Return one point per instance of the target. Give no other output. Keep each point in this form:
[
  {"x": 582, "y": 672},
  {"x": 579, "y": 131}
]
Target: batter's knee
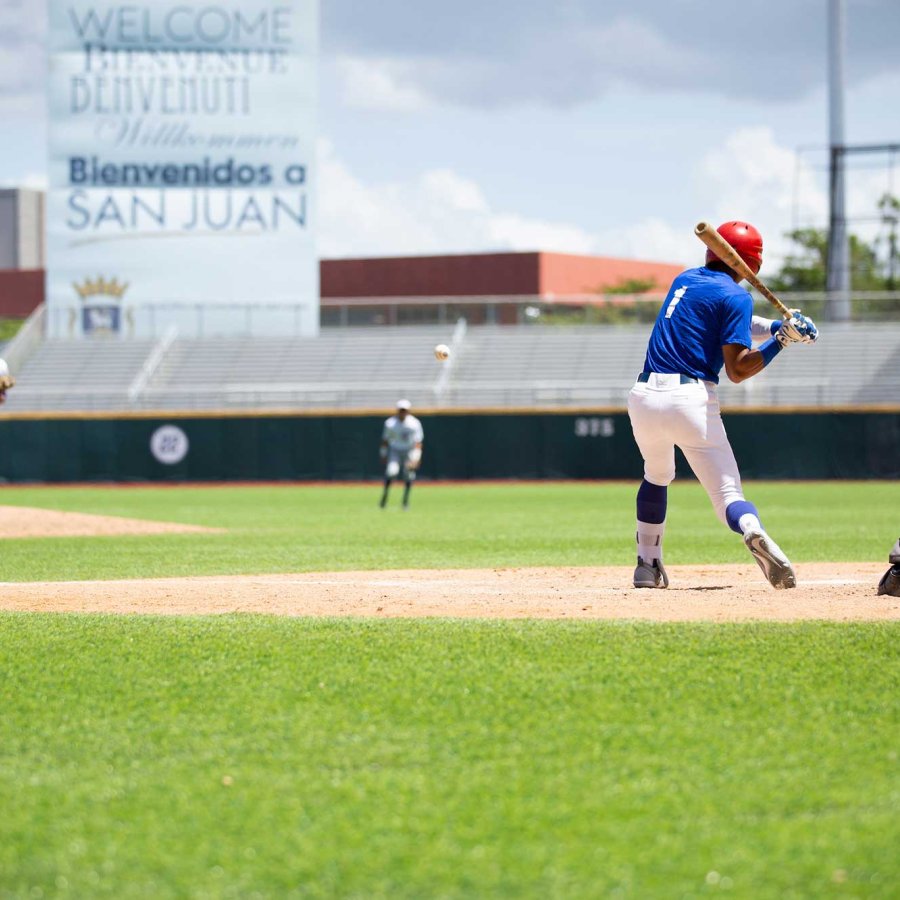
[{"x": 661, "y": 476}]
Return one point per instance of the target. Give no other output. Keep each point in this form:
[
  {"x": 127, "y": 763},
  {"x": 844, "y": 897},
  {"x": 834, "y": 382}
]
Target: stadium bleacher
[
  {"x": 87, "y": 375},
  {"x": 364, "y": 367}
]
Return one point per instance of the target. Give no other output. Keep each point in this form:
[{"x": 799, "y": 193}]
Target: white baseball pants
[
  {"x": 398, "y": 464},
  {"x": 664, "y": 414}
]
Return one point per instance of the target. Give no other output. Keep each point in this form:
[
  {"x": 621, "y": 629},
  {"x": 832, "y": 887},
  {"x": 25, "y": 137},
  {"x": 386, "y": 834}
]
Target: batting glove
[{"x": 798, "y": 329}]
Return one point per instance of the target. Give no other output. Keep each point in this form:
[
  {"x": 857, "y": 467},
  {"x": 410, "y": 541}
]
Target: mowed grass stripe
[
  {"x": 303, "y": 529},
  {"x": 256, "y": 756}
]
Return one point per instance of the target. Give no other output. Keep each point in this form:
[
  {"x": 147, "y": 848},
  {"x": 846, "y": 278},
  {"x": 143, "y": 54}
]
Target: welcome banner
[{"x": 182, "y": 142}]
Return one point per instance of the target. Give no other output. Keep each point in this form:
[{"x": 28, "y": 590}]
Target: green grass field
[
  {"x": 244, "y": 756},
  {"x": 295, "y": 529}
]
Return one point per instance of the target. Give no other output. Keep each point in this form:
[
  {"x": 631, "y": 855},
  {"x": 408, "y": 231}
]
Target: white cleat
[
  {"x": 650, "y": 575},
  {"x": 775, "y": 565}
]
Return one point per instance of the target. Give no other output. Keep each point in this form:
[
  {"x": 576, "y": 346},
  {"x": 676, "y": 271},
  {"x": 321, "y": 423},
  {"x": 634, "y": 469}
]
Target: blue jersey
[{"x": 703, "y": 310}]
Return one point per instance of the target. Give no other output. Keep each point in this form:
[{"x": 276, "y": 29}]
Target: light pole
[{"x": 837, "y": 282}]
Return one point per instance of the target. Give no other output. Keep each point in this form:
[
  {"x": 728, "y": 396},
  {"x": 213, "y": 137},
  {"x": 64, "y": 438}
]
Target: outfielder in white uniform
[
  {"x": 401, "y": 450},
  {"x": 705, "y": 322}
]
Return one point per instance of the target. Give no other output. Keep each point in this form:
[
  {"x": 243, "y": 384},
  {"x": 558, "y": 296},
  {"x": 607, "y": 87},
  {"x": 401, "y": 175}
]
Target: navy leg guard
[{"x": 652, "y": 500}]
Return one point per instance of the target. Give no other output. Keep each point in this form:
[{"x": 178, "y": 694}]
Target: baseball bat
[{"x": 730, "y": 257}]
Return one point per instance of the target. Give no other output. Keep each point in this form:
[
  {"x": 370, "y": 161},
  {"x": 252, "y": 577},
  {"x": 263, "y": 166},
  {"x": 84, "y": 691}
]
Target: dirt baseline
[
  {"x": 835, "y": 591},
  {"x": 33, "y": 522}
]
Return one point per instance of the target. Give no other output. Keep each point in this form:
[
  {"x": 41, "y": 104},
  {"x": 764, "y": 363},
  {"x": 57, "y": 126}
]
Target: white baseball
[{"x": 442, "y": 352}]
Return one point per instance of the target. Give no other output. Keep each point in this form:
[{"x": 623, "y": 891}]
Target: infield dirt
[
  {"x": 732, "y": 593},
  {"x": 32, "y": 522}
]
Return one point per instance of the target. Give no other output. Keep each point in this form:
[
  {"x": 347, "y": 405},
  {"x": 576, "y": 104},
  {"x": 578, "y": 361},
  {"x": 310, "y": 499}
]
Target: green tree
[
  {"x": 889, "y": 207},
  {"x": 805, "y": 268},
  {"x": 628, "y": 286}
]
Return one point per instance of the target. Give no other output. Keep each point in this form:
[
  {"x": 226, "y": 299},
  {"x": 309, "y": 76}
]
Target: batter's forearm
[
  {"x": 746, "y": 363},
  {"x": 752, "y": 363}
]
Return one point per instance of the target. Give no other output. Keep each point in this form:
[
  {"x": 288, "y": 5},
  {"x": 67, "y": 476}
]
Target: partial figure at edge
[{"x": 890, "y": 581}]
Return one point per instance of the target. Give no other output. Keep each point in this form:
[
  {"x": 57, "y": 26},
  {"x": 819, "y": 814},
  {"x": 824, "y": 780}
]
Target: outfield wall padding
[{"x": 459, "y": 445}]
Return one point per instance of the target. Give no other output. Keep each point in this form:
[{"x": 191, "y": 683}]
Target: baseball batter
[
  {"x": 401, "y": 450},
  {"x": 705, "y": 322}
]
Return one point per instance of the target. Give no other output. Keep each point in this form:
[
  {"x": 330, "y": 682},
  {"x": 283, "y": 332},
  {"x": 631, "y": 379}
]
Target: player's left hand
[
  {"x": 798, "y": 329},
  {"x": 807, "y": 328}
]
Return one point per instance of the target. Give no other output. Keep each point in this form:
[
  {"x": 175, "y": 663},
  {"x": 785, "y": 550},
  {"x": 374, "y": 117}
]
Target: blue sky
[{"x": 606, "y": 127}]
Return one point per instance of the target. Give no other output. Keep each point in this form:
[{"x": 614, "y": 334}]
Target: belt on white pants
[{"x": 683, "y": 379}]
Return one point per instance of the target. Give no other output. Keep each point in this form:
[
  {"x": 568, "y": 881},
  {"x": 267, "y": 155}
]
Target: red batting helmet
[{"x": 745, "y": 239}]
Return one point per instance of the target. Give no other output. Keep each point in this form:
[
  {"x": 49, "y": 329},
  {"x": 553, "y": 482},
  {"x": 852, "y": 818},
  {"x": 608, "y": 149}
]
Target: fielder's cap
[{"x": 404, "y": 404}]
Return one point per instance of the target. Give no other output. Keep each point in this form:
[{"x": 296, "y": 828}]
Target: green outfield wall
[{"x": 459, "y": 445}]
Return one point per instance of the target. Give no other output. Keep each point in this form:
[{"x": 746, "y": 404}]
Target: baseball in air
[{"x": 442, "y": 352}]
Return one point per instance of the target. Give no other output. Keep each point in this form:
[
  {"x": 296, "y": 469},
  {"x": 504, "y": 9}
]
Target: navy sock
[
  {"x": 651, "y": 503},
  {"x": 734, "y": 511}
]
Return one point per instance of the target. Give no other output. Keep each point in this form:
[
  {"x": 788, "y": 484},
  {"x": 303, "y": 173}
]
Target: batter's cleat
[
  {"x": 774, "y": 564},
  {"x": 650, "y": 575},
  {"x": 890, "y": 583}
]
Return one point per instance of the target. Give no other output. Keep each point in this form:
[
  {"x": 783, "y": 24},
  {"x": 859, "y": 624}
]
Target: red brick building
[
  {"x": 549, "y": 276},
  {"x": 546, "y": 275},
  {"x": 21, "y": 290}
]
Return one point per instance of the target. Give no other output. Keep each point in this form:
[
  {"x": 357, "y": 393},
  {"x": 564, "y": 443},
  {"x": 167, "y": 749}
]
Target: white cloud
[
  {"x": 506, "y": 53},
  {"x": 377, "y": 84},
  {"x": 438, "y": 211},
  {"x": 445, "y": 186},
  {"x": 32, "y": 181},
  {"x": 751, "y": 177},
  {"x": 441, "y": 211},
  {"x": 515, "y": 232},
  {"x": 22, "y": 55},
  {"x": 35, "y": 181},
  {"x": 653, "y": 239},
  {"x": 752, "y": 171}
]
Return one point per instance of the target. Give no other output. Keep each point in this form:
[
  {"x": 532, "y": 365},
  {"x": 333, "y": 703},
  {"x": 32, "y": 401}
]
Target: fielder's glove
[
  {"x": 798, "y": 329},
  {"x": 890, "y": 583}
]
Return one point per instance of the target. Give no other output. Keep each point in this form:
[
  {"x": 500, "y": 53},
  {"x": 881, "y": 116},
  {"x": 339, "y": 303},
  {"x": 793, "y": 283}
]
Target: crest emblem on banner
[{"x": 101, "y": 310}]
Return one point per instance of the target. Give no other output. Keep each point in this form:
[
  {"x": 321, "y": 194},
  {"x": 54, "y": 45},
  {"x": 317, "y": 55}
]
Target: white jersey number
[{"x": 676, "y": 299}]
